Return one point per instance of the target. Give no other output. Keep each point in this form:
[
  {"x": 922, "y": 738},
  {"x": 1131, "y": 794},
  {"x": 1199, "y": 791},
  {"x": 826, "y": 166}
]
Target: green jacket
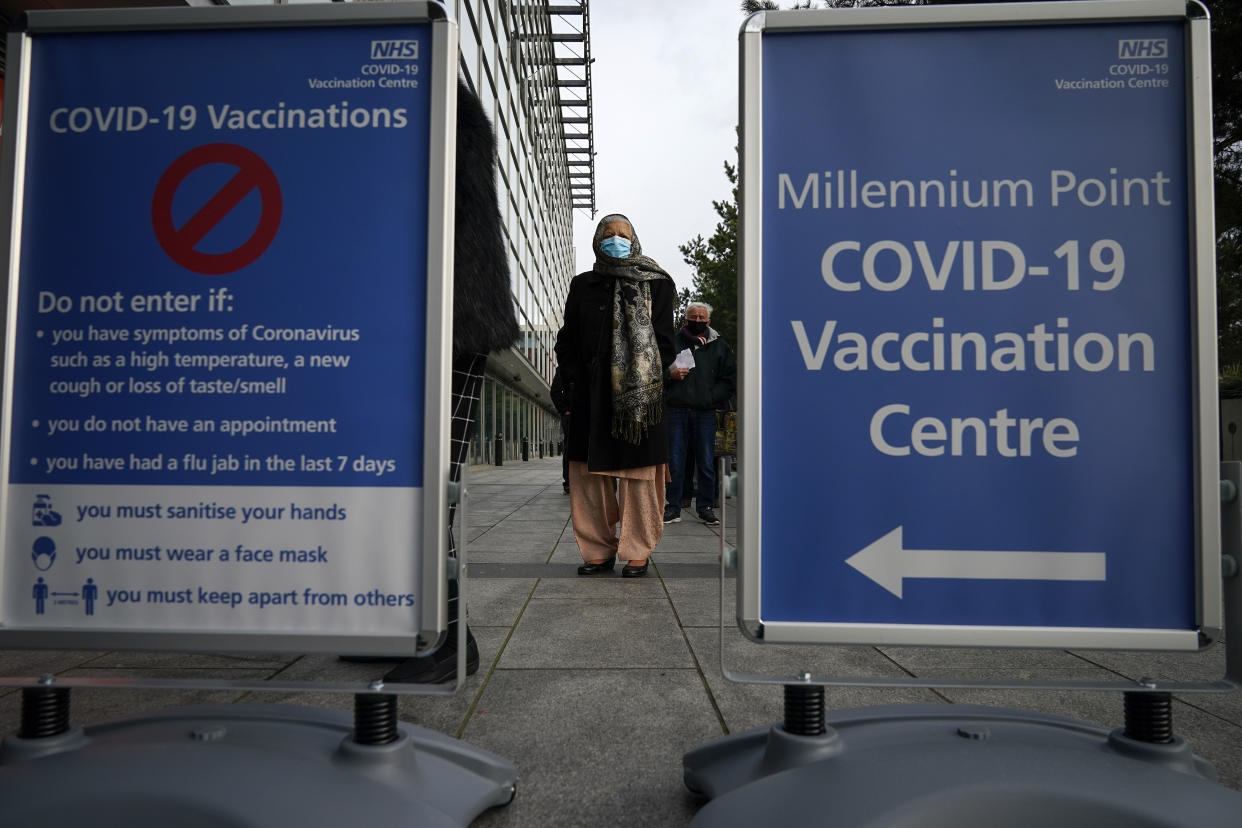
[{"x": 712, "y": 382}]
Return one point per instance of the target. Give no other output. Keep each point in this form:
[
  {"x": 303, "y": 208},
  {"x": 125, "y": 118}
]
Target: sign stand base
[
  {"x": 259, "y": 766},
  {"x": 955, "y": 766}
]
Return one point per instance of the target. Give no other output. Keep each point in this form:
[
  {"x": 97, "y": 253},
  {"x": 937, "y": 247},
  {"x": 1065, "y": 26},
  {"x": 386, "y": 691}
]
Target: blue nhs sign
[{"x": 978, "y": 385}]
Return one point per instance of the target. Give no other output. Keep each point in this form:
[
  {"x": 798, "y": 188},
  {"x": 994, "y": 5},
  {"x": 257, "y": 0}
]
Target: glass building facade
[{"x": 530, "y": 62}]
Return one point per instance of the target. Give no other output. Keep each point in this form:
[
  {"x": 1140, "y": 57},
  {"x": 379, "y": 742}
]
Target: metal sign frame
[
  {"x": 429, "y": 620},
  {"x": 1201, "y": 304}
]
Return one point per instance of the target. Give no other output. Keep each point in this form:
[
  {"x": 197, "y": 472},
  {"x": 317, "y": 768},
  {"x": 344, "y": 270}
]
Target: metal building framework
[
  {"x": 573, "y": 65},
  {"x": 567, "y": 32}
]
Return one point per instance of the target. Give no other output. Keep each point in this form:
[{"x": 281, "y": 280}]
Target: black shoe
[
  {"x": 361, "y": 659},
  {"x": 437, "y": 668},
  {"x": 633, "y": 570},
  {"x": 671, "y": 516},
  {"x": 709, "y": 517},
  {"x": 604, "y": 568}
]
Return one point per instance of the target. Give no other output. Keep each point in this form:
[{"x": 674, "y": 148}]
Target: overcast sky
[{"x": 665, "y": 106}]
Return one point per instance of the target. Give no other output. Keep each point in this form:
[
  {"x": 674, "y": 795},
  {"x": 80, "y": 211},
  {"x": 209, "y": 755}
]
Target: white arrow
[{"x": 888, "y": 563}]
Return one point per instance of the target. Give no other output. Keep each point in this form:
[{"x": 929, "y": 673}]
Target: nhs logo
[
  {"x": 394, "y": 50},
  {"x": 1142, "y": 49}
]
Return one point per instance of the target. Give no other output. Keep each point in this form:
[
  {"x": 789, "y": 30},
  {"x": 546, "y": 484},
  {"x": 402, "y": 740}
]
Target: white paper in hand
[{"x": 684, "y": 360}]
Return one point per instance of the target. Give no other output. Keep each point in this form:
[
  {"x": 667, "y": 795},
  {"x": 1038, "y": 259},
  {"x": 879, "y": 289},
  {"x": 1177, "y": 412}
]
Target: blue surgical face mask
[{"x": 616, "y": 246}]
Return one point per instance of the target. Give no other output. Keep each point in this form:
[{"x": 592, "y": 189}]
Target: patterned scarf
[{"x": 637, "y": 373}]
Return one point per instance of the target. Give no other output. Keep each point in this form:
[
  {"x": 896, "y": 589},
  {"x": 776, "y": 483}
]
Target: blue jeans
[{"x": 686, "y": 425}]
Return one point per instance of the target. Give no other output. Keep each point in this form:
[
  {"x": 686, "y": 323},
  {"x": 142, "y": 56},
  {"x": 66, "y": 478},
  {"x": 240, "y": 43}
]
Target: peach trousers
[{"x": 635, "y": 507}]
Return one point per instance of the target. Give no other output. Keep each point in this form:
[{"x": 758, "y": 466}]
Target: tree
[
  {"x": 715, "y": 265},
  {"x": 683, "y": 299}
]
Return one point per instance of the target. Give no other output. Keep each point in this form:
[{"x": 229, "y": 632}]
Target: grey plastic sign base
[
  {"x": 246, "y": 766},
  {"x": 955, "y": 766}
]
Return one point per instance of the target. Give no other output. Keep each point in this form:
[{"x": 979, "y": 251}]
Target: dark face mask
[{"x": 696, "y": 328}]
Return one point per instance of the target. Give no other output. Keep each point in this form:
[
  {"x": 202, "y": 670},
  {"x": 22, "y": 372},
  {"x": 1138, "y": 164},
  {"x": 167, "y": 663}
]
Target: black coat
[
  {"x": 712, "y": 381},
  {"x": 584, "y": 356}
]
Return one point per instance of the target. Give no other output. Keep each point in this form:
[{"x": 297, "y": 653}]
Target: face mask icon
[{"x": 43, "y": 553}]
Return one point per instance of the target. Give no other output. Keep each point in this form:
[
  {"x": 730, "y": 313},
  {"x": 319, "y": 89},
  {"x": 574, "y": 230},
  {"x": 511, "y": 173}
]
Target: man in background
[{"x": 691, "y": 398}]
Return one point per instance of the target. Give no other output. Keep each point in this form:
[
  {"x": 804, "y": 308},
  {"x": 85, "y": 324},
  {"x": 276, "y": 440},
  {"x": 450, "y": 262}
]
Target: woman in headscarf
[{"x": 613, "y": 352}]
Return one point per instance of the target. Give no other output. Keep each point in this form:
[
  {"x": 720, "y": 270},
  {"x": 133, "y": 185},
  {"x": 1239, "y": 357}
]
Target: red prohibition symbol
[{"x": 178, "y": 242}]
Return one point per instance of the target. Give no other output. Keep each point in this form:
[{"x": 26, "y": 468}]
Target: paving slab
[
  {"x": 511, "y": 541},
  {"x": 566, "y": 552},
  {"x": 29, "y": 663},
  {"x": 552, "y": 512},
  {"x": 496, "y": 601},
  {"x": 699, "y": 542},
  {"x": 593, "y": 633},
  {"x": 939, "y": 661},
  {"x": 698, "y": 601},
  {"x": 520, "y": 523},
  {"x": 749, "y": 705},
  {"x": 601, "y": 589},
  {"x": 1205, "y": 665},
  {"x": 594, "y": 748},
  {"x": 1225, "y": 706}
]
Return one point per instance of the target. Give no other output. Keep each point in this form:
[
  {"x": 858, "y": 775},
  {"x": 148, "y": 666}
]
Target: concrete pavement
[{"x": 596, "y": 687}]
